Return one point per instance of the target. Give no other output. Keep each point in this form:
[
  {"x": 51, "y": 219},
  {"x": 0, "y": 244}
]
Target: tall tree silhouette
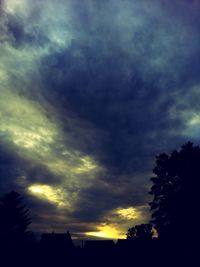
[
  {"x": 175, "y": 190},
  {"x": 14, "y": 219},
  {"x": 140, "y": 232}
]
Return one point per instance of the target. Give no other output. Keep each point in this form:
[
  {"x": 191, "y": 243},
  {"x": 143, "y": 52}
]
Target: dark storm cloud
[
  {"x": 127, "y": 95},
  {"x": 119, "y": 87},
  {"x": 117, "y": 81},
  {"x": 16, "y": 172},
  {"x": 21, "y": 37},
  {"x": 94, "y": 203},
  {"x": 9, "y": 169}
]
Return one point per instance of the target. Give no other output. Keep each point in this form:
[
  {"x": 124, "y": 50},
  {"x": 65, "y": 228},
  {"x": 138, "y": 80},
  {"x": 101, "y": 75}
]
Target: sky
[{"x": 90, "y": 92}]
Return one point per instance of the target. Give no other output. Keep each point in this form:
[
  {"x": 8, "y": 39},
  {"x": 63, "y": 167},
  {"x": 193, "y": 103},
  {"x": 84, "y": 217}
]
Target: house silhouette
[
  {"x": 57, "y": 241},
  {"x": 99, "y": 245}
]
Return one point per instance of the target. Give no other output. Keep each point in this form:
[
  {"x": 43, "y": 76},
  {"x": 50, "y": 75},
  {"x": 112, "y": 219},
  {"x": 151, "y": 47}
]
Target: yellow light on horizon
[{"x": 106, "y": 231}]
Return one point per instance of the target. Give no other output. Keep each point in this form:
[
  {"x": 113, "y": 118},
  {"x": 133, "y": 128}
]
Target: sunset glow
[{"x": 106, "y": 231}]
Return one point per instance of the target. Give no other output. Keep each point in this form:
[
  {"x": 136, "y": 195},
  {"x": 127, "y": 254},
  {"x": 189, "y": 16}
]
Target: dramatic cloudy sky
[{"x": 90, "y": 92}]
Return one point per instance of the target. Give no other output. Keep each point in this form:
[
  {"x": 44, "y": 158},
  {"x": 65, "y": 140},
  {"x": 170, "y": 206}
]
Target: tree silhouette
[
  {"x": 14, "y": 219},
  {"x": 175, "y": 190},
  {"x": 140, "y": 232}
]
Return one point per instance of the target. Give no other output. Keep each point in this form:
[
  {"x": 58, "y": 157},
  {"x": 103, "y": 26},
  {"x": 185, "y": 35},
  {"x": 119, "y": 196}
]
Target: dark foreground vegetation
[{"x": 174, "y": 208}]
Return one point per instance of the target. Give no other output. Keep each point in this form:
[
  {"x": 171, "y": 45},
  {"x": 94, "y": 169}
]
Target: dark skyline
[{"x": 90, "y": 92}]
